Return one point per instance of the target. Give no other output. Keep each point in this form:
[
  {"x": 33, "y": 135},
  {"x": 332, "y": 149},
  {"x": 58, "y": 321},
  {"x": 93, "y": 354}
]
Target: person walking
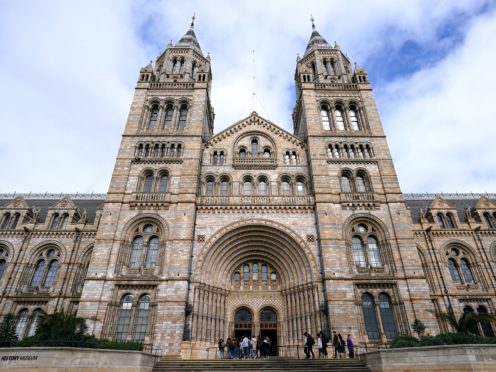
[
  {"x": 221, "y": 345},
  {"x": 319, "y": 345},
  {"x": 349, "y": 344},
  {"x": 309, "y": 342},
  {"x": 253, "y": 343},
  {"x": 245, "y": 347},
  {"x": 230, "y": 348},
  {"x": 341, "y": 346},
  {"x": 335, "y": 343}
]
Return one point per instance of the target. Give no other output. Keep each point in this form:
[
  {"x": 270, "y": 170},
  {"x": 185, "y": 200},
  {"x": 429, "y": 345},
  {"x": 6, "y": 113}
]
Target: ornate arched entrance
[{"x": 262, "y": 267}]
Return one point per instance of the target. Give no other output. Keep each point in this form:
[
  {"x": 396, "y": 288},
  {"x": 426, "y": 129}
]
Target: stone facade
[{"x": 251, "y": 230}]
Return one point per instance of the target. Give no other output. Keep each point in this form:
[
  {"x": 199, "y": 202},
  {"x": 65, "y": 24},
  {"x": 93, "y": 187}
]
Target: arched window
[
  {"x": 246, "y": 272},
  {"x": 65, "y": 219},
  {"x": 453, "y": 270},
  {"x": 247, "y": 186},
  {"x": 387, "y": 316},
  {"x": 148, "y": 183},
  {"x": 264, "y": 272},
  {"x": 209, "y": 187},
  {"x": 471, "y": 327},
  {"x": 5, "y": 221},
  {"x": 242, "y": 154},
  {"x": 243, "y": 315},
  {"x": 489, "y": 221},
  {"x": 183, "y": 114},
  {"x": 22, "y": 321},
  {"x": 467, "y": 273},
  {"x": 15, "y": 221},
  {"x": 358, "y": 252},
  {"x": 164, "y": 182},
  {"x": 237, "y": 276},
  {"x": 450, "y": 221},
  {"x": 215, "y": 158},
  {"x": 300, "y": 186},
  {"x": 369, "y": 316},
  {"x": 360, "y": 183},
  {"x": 266, "y": 153},
  {"x": 486, "y": 326},
  {"x": 440, "y": 221},
  {"x": 169, "y": 114},
  {"x": 285, "y": 186},
  {"x": 268, "y": 315},
  {"x": 54, "y": 225},
  {"x": 152, "y": 253},
  {"x": 224, "y": 186},
  {"x": 255, "y": 271},
  {"x": 51, "y": 274},
  {"x": 254, "y": 148},
  {"x": 124, "y": 320},
  {"x": 345, "y": 183},
  {"x": 324, "y": 114},
  {"x": 3, "y": 264},
  {"x": 287, "y": 157},
  {"x": 153, "y": 117},
  {"x": 374, "y": 255},
  {"x": 221, "y": 158},
  {"x": 35, "y": 321},
  {"x": 136, "y": 252},
  {"x": 142, "y": 318},
  {"x": 338, "y": 114},
  {"x": 352, "y": 112},
  {"x": 38, "y": 273},
  {"x": 262, "y": 186}
]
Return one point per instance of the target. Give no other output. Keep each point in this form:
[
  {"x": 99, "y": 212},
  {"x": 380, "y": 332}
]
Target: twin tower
[{"x": 253, "y": 231}]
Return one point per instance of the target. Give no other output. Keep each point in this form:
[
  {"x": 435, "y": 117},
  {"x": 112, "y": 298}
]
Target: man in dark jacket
[{"x": 309, "y": 342}]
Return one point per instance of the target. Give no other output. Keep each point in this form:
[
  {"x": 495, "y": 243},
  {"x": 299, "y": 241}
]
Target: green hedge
[{"x": 442, "y": 339}]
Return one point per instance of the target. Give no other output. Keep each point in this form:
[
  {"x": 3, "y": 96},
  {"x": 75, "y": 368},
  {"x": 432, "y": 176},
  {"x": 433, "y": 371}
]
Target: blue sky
[{"x": 68, "y": 71}]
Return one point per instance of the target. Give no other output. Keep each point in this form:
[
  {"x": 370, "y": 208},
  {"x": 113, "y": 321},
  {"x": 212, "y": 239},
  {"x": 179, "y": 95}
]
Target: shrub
[
  {"x": 431, "y": 341},
  {"x": 8, "y": 335},
  {"x": 418, "y": 327},
  {"x": 404, "y": 341}
]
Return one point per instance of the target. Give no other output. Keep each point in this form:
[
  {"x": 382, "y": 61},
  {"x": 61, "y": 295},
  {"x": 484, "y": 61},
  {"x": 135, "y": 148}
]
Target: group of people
[
  {"x": 245, "y": 348},
  {"x": 339, "y": 345}
]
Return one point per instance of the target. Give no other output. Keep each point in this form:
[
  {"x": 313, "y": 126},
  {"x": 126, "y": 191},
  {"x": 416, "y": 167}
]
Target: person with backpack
[{"x": 309, "y": 342}]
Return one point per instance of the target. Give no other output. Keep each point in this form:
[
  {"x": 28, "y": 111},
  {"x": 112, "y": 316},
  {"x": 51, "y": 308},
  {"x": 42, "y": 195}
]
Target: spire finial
[
  {"x": 193, "y": 20},
  {"x": 313, "y": 23}
]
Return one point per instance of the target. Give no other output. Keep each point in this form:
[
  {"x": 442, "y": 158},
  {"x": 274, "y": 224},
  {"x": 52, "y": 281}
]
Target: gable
[
  {"x": 17, "y": 203},
  {"x": 440, "y": 203},
  {"x": 64, "y": 203},
  {"x": 485, "y": 203}
]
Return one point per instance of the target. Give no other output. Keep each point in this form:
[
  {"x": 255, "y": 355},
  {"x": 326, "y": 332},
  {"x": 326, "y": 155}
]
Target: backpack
[{"x": 310, "y": 340}]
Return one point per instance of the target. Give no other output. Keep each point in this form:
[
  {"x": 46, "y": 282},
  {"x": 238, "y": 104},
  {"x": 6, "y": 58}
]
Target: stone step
[{"x": 273, "y": 364}]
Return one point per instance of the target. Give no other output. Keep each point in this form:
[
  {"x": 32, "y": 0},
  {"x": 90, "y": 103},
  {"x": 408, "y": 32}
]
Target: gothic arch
[
  {"x": 268, "y": 240},
  {"x": 381, "y": 228},
  {"x": 128, "y": 229},
  {"x": 8, "y": 247},
  {"x": 46, "y": 244},
  {"x": 460, "y": 244}
]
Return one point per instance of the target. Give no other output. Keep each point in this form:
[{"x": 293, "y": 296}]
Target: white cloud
[{"x": 68, "y": 71}]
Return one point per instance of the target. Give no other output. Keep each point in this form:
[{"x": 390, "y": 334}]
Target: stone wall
[
  {"x": 46, "y": 359},
  {"x": 452, "y": 358}
]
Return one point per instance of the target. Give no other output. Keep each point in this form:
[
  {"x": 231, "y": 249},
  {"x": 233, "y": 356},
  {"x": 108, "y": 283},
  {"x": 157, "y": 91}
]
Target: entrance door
[
  {"x": 268, "y": 328},
  {"x": 243, "y": 323}
]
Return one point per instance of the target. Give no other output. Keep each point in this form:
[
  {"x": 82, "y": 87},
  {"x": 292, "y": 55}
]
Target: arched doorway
[
  {"x": 243, "y": 323},
  {"x": 268, "y": 328},
  {"x": 256, "y": 266}
]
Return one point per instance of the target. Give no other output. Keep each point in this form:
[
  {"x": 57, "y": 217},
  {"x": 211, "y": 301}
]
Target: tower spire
[
  {"x": 313, "y": 23},
  {"x": 193, "y": 21}
]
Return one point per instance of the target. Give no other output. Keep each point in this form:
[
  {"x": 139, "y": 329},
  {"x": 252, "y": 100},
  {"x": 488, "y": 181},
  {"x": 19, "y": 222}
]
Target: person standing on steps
[
  {"x": 335, "y": 343},
  {"x": 245, "y": 346},
  {"x": 309, "y": 342},
  {"x": 349, "y": 344},
  {"x": 222, "y": 345}
]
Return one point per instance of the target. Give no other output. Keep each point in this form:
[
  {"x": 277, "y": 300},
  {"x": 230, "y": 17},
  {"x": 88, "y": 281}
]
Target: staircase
[{"x": 273, "y": 364}]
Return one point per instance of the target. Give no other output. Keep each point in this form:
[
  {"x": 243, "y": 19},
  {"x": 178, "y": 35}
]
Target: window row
[
  {"x": 365, "y": 247},
  {"x": 27, "y": 324},
  {"x": 145, "y": 247},
  {"x": 459, "y": 267},
  {"x": 254, "y": 151},
  {"x": 446, "y": 221},
  {"x": 483, "y": 327},
  {"x": 375, "y": 310},
  {"x": 349, "y": 151},
  {"x": 255, "y": 273},
  {"x": 159, "y": 150},
  {"x": 260, "y": 185},
  {"x": 341, "y": 118},
  {"x": 357, "y": 181},
  {"x": 291, "y": 157},
  {"x": 218, "y": 157},
  {"x": 169, "y": 116},
  {"x": 9, "y": 221},
  {"x": 134, "y": 318},
  {"x": 154, "y": 181}
]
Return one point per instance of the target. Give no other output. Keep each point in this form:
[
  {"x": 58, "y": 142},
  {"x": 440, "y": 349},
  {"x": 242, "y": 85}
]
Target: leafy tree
[
  {"x": 58, "y": 329},
  {"x": 418, "y": 327},
  {"x": 8, "y": 335}
]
